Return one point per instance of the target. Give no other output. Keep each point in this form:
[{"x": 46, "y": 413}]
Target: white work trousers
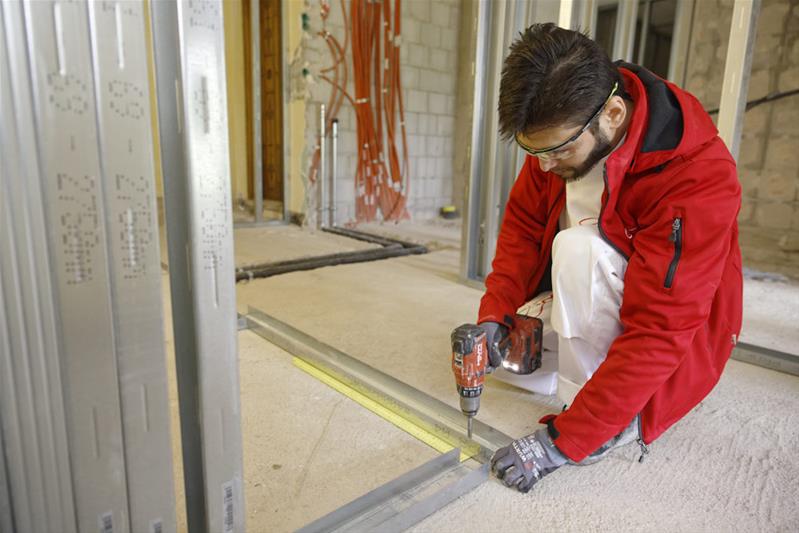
[{"x": 580, "y": 315}]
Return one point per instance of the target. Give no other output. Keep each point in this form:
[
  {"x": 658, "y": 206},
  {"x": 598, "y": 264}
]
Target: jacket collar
[{"x": 667, "y": 122}]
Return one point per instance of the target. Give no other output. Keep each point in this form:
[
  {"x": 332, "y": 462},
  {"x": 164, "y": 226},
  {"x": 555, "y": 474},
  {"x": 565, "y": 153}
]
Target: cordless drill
[{"x": 520, "y": 351}]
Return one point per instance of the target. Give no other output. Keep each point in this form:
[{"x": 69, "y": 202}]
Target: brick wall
[
  {"x": 428, "y": 57},
  {"x": 768, "y": 162}
]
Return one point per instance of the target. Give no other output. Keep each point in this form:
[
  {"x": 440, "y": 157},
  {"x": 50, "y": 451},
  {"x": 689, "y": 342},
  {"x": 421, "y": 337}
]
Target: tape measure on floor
[{"x": 434, "y": 441}]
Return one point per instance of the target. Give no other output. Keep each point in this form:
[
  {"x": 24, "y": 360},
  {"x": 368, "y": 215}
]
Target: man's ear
[{"x": 615, "y": 112}]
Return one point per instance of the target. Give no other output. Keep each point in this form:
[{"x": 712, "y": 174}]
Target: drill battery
[{"x": 521, "y": 349}]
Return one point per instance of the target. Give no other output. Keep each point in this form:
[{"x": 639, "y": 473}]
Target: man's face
[{"x": 574, "y": 160}]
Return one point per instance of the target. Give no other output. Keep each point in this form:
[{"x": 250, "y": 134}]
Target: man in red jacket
[{"x": 626, "y": 209}]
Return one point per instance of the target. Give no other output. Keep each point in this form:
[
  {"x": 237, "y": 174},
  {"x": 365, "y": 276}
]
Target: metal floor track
[{"x": 410, "y": 498}]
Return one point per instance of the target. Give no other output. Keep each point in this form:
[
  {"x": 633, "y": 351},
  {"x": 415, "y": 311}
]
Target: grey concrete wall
[
  {"x": 769, "y": 160},
  {"x": 429, "y": 61}
]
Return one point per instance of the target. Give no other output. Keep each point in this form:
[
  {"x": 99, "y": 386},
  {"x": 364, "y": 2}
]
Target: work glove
[
  {"x": 525, "y": 461},
  {"x": 495, "y": 334}
]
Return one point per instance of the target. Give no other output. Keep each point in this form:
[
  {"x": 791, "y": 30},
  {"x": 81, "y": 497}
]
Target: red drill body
[
  {"x": 521, "y": 354},
  {"x": 469, "y": 362}
]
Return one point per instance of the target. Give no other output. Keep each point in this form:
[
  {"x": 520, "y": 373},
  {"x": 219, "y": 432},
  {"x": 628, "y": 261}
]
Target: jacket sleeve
[
  {"x": 659, "y": 322},
  {"x": 518, "y": 246}
]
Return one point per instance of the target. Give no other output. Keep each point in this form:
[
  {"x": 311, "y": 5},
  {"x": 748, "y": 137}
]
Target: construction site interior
[{"x": 282, "y": 209}]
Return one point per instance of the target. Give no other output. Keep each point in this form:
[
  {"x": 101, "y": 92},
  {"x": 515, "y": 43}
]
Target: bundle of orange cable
[{"x": 381, "y": 175}]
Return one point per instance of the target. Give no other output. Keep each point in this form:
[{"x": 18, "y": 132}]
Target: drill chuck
[{"x": 470, "y": 406}]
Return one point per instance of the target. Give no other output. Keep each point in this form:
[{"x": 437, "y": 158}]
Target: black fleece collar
[{"x": 664, "y": 128}]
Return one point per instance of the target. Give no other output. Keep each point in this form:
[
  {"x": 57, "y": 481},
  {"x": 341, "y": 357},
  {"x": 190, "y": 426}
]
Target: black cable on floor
[{"x": 389, "y": 248}]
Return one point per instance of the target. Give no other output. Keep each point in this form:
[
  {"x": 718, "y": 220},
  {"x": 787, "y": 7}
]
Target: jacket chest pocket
[{"x": 676, "y": 239}]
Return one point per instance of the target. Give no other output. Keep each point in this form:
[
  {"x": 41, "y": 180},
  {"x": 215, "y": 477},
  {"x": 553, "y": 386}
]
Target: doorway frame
[{"x": 257, "y": 124}]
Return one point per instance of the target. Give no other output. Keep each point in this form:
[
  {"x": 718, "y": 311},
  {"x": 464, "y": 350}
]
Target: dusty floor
[
  {"x": 308, "y": 449},
  {"x": 435, "y": 234},
  {"x": 281, "y": 243},
  {"x": 268, "y": 244},
  {"x": 729, "y": 465}
]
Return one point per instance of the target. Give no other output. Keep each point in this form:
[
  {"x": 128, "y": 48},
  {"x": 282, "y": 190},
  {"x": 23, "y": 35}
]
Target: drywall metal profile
[
  {"x": 645, "y": 23},
  {"x": 119, "y": 49},
  {"x": 497, "y": 153},
  {"x": 624, "y": 37},
  {"x": 566, "y": 13},
  {"x": 471, "y": 238},
  {"x": 767, "y": 358},
  {"x": 425, "y": 411},
  {"x": 680, "y": 41},
  {"x": 510, "y": 157},
  {"x": 406, "y": 500},
  {"x": 35, "y": 452},
  {"x": 494, "y": 163},
  {"x": 321, "y": 176},
  {"x": 588, "y": 15},
  {"x": 64, "y": 116},
  {"x": 737, "y": 68},
  {"x": 192, "y": 112}
]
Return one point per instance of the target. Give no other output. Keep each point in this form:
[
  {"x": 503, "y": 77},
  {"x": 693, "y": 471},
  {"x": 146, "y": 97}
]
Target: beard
[{"x": 601, "y": 149}]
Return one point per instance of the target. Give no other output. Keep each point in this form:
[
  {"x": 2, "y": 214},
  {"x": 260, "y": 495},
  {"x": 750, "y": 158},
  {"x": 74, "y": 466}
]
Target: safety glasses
[{"x": 557, "y": 152}]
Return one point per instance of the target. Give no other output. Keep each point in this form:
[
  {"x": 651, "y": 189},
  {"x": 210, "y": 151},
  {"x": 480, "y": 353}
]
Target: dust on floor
[{"x": 729, "y": 465}]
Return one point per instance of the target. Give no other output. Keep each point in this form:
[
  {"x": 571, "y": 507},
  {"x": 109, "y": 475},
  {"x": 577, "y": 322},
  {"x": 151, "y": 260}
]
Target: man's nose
[{"x": 546, "y": 164}]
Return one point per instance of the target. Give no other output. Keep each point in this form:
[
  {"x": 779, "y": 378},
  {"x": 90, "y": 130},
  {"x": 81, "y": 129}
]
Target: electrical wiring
[{"x": 372, "y": 29}]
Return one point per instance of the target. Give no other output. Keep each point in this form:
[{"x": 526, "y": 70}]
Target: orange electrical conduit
[{"x": 381, "y": 176}]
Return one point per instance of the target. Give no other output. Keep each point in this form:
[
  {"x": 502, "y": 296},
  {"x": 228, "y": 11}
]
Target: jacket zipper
[
  {"x": 641, "y": 443},
  {"x": 602, "y": 210},
  {"x": 640, "y": 440},
  {"x": 676, "y": 238}
]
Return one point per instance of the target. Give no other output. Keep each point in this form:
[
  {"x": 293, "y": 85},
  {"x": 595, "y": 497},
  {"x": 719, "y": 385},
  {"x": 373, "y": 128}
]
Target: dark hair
[{"x": 553, "y": 77}]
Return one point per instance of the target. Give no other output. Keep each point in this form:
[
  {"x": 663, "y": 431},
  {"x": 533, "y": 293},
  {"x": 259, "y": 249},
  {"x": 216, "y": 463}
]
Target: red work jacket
[{"x": 670, "y": 206}]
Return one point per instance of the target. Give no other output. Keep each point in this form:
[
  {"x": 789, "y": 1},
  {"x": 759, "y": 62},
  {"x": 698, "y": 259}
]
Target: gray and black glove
[
  {"x": 525, "y": 461},
  {"x": 495, "y": 334}
]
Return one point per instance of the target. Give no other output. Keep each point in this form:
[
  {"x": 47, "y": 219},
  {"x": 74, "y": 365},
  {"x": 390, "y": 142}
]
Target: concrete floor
[
  {"x": 438, "y": 234},
  {"x": 269, "y": 244},
  {"x": 281, "y": 243},
  {"x": 771, "y": 313},
  {"x": 729, "y": 465},
  {"x": 303, "y": 456}
]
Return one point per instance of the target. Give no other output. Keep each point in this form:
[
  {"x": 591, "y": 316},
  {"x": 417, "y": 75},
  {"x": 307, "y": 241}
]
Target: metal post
[
  {"x": 66, "y": 147},
  {"x": 624, "y": 38},
  {"x": 494, "y": 164},
  {"x": 334, "y": 175},
  {"x": 128, "y": 177},
  {"x": 495, "y": 155},
  {"x": 321, "y": 176},
  {"x": 257, "y": 125},
  {"x": 470, "y": 240},
  {"x": 737, "y": 69},
  {"x": 566, "y": 14},
  {"x": 587, "y": 17},
  {"x": 190, "y": 75},
  {"x": 80, "y": 281},
  {"x": 680, "y": 41},
  {"x": 32, "y": 412},
  {"x": 644, "y": 32}
]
